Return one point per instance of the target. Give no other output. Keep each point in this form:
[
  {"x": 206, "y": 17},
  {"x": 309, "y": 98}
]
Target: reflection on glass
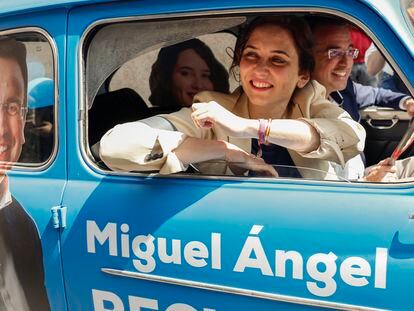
[
  {"x": 39, "y": 122},
  {"x": 39, "y": 126}
]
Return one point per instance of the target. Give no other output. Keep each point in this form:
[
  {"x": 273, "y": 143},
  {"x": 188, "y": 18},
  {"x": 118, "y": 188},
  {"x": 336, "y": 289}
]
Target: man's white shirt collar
[{"x": 5, "y": 195}]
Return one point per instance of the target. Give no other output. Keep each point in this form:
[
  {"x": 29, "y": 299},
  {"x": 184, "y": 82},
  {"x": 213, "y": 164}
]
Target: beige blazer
[{"x": 137, "y": 147}]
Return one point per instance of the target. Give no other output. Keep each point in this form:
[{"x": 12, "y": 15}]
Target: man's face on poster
[{"x": 12, "y": 116}]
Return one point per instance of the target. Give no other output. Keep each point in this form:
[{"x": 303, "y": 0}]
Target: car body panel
[
  {"x": 46, "y": 185},
  {"x": 315, "y": 220},
  {"x": 197, "y": 209}
]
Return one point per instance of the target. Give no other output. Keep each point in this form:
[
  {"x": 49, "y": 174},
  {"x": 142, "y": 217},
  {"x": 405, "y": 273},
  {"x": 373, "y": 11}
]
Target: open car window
[{"x": 118, "y": 84}]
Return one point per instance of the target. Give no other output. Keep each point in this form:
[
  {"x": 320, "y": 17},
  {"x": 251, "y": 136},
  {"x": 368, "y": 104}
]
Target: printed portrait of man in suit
[{"x": 21, "y": 265}]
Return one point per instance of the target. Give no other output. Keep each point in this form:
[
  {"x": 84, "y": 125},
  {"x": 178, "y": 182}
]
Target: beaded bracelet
[
  {"x": 262, "y": 131},
  {"x": 267, "y": 131}
]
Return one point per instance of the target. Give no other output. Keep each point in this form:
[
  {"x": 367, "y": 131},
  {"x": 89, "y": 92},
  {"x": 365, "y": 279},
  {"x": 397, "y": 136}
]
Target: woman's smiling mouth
[{"x": 259, "y": 85}]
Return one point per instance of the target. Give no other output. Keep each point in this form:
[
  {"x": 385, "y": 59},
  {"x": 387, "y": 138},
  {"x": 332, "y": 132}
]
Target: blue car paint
[
  {"x": 306, "y": 217},
  {"x": 46, "y": 186}
]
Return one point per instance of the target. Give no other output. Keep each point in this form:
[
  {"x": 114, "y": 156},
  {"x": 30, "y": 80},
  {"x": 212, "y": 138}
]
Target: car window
[
  {"x": 39, "y": 121},
  {"x": 122, "y": 89}
]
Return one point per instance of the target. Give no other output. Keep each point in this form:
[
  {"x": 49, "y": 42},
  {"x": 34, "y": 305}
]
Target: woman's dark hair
[
  {"x": 298, "y": 28},
  {"x": 161, "y": 75},
  {"x": 12, "y": 49}
]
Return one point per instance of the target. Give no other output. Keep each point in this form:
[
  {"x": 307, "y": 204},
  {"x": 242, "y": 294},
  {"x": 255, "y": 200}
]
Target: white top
[{"x": 354, "y": 168}]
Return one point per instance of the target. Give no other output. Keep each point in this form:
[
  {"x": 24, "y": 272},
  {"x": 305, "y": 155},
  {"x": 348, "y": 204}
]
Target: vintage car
[{"x": 191, "y": 241}]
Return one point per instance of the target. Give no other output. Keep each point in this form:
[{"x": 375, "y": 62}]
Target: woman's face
[
  {"x": 190, "y": 76},
  {"x": 269, "y": 66}
]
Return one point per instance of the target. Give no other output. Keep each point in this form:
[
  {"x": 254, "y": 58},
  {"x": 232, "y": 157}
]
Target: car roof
[
  {"x": 28, "y": 5},
  {"x": 389, "y": 9},
  {"x": 10, "y": 7}
]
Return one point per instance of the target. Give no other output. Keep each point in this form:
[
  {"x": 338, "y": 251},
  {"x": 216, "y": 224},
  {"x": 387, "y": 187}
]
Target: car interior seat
[
  {"x": 112, "y": 108},
  {"x": 117, "y": 107}
]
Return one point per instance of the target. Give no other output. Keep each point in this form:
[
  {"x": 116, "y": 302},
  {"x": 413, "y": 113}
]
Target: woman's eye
[
  {"x": 278, "y": 60},
  {"x": 184, "y": 72},
  {"x": 250, "y": 55},
  {"x": 206, "y": 75}
]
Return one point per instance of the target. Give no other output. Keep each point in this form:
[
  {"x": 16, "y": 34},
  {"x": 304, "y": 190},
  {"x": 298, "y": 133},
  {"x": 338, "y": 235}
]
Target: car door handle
[{"x": 392, "y": 123}]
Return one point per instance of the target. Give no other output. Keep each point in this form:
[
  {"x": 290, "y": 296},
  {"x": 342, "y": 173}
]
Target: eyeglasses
[
  {"x": 339, "y": 53},
  {"x": 13, "y": 109}
]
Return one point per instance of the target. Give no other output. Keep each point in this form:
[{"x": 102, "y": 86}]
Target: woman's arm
[
  {"x": 296, "y": 135},
  {"x": 135, "y": 146},
  {"x": 196, "y": 150}
]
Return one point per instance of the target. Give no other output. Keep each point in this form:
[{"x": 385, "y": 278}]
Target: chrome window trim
[
  {"x": 234, "y": 290},
  {"x": 82, "y": 111},
  {"x": 42, "y": 166}
]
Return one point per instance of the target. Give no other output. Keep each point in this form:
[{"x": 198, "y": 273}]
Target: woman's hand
[
  {"x": 384, "y": 171},
  {"x": 240, "y": 161},
  {"x": 207, "y": 115}
]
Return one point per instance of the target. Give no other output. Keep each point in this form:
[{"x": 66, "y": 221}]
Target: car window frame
[
  {"x": 83, "y": 110},
  {"x": 42, "y": 166}
]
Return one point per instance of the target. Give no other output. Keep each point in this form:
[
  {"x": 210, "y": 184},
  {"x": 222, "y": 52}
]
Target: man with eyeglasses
[
  {"x": 334, "y": 55},
  {"x": 21, "y": 265}
]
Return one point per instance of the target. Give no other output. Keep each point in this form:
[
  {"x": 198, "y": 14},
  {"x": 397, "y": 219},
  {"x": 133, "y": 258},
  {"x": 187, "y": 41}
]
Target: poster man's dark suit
[{"x": 21, "y": 266}]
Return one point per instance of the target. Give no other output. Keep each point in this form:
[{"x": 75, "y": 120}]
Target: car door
[
  {"x": 38, "y": 178},
  {"x": 194, "y": 242}
]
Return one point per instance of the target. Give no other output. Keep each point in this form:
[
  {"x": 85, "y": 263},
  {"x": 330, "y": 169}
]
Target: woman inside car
[
  {"x": 276, "y": 105},
  {"x": 182, "y": 70}
]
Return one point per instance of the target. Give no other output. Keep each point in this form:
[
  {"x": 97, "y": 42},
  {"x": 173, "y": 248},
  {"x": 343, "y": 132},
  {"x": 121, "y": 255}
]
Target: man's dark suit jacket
[
  {"x": 357, "y": 96},
  {"x": 20, "y": 244}
]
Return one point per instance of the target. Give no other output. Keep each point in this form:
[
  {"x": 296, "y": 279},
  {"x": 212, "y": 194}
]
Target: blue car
[{"x": 104, "y": 239}]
